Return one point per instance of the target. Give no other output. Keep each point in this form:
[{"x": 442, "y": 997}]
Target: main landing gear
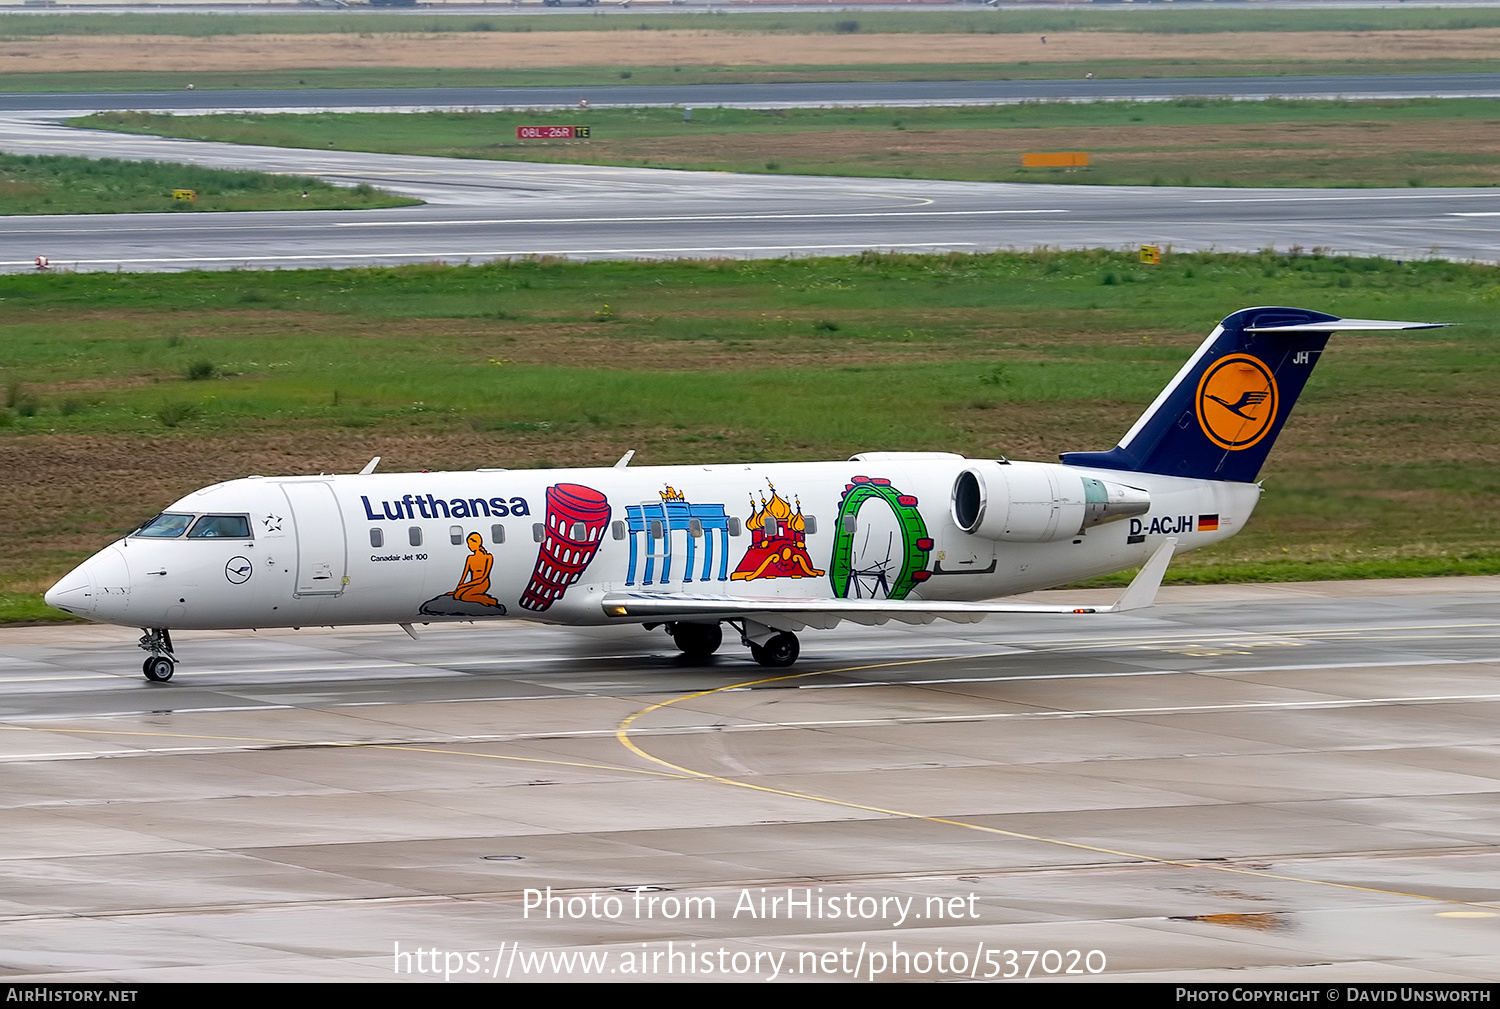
[
  {"x": 697, "y": 641},
  {"x": 780, "y": 650},
  {"x": 161, "y": 663},
  {"x": 768, "y": 646}
]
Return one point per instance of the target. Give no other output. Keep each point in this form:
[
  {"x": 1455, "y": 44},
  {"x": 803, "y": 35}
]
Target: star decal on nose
[{"x": 272, "y": 523}]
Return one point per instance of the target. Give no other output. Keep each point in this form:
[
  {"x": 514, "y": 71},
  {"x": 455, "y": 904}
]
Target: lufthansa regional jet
[{"x": 769, "y": 548}]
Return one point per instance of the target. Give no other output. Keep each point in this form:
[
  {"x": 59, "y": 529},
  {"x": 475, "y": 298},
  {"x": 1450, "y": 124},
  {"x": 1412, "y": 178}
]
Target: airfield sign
[{"x": 552, "y": 132}]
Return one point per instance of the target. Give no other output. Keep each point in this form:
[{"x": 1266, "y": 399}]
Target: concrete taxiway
[{"x": 1287, "y": 782}]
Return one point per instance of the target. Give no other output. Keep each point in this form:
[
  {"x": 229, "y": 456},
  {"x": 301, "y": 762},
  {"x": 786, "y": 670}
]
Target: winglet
[
  {"x": 370, "y": 466},
  {"x": 1142, "y": 591}
]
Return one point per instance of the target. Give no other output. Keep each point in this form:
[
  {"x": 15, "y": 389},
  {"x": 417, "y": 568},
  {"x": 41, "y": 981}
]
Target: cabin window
[
  {"x": 456, "y": 535},
  {"x": 377, "y": 538},
  {"x": 538, "y": 531},
  {"x": 810, "y": 525},
  {"x": 618, "y": 529},
  {"x": 734, "y": 525},
  {"x": 165, "y": 526},
  {"x": 770, "y": 527},
  {"x": 656, "y": 529},
  {"x": 850, "y": 524},
  {"x": 221, "y": 527},
  {"x": 695, "y": 528},
  {"x": 497, "y": 533},
  {"x": 414, "y": 536}
]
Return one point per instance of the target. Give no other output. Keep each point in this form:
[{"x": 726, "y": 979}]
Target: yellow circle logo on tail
[{"x": 1237, "y": 401}]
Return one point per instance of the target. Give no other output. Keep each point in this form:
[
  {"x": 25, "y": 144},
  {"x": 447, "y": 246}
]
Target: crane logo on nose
[{"x": 238, "y": 570}]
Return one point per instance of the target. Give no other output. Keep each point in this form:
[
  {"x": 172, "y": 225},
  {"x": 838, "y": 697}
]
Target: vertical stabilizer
[{"x": 1218, "y": 418}]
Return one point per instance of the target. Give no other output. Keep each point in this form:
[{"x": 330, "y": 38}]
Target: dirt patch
[
  {"x": 698, "y": 341},
  {"x": 536, "y": 50},
  {"x": 58, "y": 513}
]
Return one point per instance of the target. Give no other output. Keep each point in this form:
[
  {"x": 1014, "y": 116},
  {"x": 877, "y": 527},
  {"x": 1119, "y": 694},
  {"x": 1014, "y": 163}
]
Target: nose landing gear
[{"x": 161, "y": 663}]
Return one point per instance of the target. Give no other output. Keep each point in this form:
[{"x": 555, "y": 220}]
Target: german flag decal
[{"x": 1208, "y": 523}]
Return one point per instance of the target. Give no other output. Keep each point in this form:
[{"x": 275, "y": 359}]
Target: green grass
[
  {"x": 45, "y": 184},
  {"x": 473, "y": 133},
  {"x": 868, "y": 22},
  {"x": 152, "y": 385},
  {"x": 28, "y": 608},
  {"x": 1398, "y": 143}
]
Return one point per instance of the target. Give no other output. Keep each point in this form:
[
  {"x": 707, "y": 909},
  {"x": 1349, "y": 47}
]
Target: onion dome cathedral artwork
[{"x": 778, "y": 544}]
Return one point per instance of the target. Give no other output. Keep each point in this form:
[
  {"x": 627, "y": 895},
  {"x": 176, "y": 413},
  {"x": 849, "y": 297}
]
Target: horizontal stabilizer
[
  {"x": 795, "y": 614},
  {"x": 1346, "y": 326}
]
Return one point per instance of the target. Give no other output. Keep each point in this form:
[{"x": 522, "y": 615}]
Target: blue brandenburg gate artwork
[{"x": 655, "y": 522}]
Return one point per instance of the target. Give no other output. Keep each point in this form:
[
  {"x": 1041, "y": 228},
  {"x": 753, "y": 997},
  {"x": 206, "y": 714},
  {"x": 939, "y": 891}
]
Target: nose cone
[
  {"x": 74, "y": 594},
  {"x": 98, "y": 588}
]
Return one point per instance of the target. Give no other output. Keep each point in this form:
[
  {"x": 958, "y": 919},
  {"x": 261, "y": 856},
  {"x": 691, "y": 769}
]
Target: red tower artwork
[{"x": 576, "y": 519}]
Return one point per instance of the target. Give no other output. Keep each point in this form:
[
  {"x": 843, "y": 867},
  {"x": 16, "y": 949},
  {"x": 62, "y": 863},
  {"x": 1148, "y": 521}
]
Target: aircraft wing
[{"x": 794, "y": 614}]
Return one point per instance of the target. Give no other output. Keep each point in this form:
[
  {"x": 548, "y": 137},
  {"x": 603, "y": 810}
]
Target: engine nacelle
[{"x": 1037, "y": 503}]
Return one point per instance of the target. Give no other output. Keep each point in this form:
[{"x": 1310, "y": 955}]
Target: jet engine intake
[{"x": 1037, "y": 502}]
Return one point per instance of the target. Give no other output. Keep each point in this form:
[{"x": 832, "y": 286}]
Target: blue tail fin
[{"x": 1220, "y": 415}]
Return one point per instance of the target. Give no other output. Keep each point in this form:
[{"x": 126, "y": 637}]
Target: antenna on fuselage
[
  {"x": 625, "y": 459},
  {"x": 370, "y": 466}
]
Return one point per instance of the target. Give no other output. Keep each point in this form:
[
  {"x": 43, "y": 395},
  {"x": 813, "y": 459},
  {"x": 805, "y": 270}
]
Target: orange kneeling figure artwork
[{"x": 470, "y": 598}]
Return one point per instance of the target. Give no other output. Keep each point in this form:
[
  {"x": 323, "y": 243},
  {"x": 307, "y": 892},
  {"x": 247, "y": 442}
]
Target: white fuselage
[{"x": 549, "y": 544}]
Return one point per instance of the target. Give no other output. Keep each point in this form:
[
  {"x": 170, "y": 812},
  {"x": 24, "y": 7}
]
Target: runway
[
  {"x": 1246, "y": 783},
  {"x": 810, "y": 94},
  {"x": 482, "y": 210}
]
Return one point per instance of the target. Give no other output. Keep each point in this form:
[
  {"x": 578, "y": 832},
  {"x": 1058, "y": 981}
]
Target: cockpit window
[
  {"x": 221, "y": 527},
  {"x": 165, "y": 526}
]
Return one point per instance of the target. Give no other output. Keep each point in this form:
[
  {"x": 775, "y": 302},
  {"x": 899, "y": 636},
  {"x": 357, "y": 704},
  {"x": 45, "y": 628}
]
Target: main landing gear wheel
[
  {"x": 697, "y": 641},
  {"x": 780, "y": 650},
  {"x": 158, "y": 668}
]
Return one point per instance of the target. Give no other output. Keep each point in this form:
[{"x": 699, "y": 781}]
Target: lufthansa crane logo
[
  {"x": 1237, "y": 401},
  {"x": 238, "y": 570}
]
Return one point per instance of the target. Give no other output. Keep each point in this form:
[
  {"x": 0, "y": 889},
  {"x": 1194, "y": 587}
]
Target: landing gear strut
[
  {"x": 697, "y": 641},
  {"x": 161, "y": 663}
]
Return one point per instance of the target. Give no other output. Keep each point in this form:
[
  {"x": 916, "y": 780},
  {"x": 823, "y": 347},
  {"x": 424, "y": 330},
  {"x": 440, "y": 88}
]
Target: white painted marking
[
  {"x": 199, "y": 227},
  {"x": 720, "y": 727},
  {"x": 1145, "y": 672},
  {"x": 703, "y": 217},
  {"x": 1344, "y": 199},
  {"x": 341, "y": 256}
]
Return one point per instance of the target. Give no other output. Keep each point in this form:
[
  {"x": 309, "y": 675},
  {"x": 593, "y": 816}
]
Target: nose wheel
[
  {"x": 161, "y": 663},
  {"x": 158, "y": 668}
]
